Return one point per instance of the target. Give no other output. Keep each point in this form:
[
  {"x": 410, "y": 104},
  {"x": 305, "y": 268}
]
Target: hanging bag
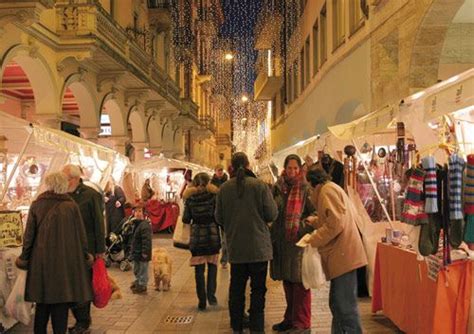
[
  {"x": 100, "y": 284},
  {"x": 312, "y": 270},
  {"x": 182, "y": 234},
  {"x": 16, "y": 306}
]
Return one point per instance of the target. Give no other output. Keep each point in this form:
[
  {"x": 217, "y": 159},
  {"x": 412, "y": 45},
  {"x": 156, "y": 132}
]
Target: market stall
[
  {"x": 168, "y": 179},
  {"x": 27, "y": 152}
]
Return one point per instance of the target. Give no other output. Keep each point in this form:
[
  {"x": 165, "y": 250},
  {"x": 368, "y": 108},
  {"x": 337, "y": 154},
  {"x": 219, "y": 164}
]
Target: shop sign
[
  {"x": 449, "y": 100},
  {"x": 11, "y": 229}
]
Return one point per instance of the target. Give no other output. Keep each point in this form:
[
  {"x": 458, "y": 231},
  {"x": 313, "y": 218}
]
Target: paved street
[{"x": 151, "y": 313}]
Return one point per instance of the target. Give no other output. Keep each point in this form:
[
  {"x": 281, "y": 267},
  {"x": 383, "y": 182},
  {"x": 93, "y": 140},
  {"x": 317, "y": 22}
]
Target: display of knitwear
[
  {"x": 469, "y": 229},
  {"x": 455, "y": 171},
  {"x": 431, "y": 189},
  {"x": 469, "y": 186},
  {"x": 414, "y": 207}
]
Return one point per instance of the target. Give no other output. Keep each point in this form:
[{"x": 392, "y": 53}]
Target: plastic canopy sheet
[
  {"x": 415, "y": 303},
  {"x": 54, "y": 148}
]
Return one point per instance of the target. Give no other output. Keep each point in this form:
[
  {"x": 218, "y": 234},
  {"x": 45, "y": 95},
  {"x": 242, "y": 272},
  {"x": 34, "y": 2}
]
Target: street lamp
[
  {"x": 244, "y": 98},
  {"x": 228, "y": 56}
]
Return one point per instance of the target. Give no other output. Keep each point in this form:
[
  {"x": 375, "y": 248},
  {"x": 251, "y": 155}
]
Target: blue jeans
[
  {"x": 343, "y": 304},
  {"x": 140, "y": 270}
]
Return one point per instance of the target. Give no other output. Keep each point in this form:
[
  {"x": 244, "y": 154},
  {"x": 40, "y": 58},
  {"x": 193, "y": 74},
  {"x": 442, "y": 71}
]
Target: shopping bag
[
  {"x": 100, "y": 284},
  {"x": 312, "y": 270},
  {"x": 182, "y": 234},
  {"x": 16, "y": 306}
]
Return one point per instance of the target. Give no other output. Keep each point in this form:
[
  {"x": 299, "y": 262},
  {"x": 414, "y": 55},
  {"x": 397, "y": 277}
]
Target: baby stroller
[{"x": 119, "y": 247}]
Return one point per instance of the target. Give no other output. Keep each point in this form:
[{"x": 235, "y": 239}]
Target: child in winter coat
[{"x": 141, "y": 250}]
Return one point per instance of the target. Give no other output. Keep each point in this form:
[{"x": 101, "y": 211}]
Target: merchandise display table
[
  {"x": 414, "y": 302},
  {"x": 7, "y": 279}
]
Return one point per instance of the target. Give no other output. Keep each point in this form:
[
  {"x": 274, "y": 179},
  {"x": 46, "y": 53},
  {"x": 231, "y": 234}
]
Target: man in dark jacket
[
  {"x": 219, "y": 178},
  {"x": 91, "y": 208},
  {"x": 244, "y": 208},
  {"x": 141, "y": 249}
]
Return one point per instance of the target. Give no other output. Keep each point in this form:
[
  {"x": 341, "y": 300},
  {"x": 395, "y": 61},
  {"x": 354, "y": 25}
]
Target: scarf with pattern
[{"x": 294, "y": 204}]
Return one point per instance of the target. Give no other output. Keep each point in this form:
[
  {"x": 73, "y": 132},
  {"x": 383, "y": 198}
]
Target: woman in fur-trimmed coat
[{"x": 205, "y": 243}]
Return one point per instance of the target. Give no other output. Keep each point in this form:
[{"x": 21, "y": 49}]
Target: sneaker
[
  {"x": 202, "y": 306},
  {"x": 212, "y": 301},
  {"x": 79, "y": 330},
  {"x": 282, "y": 326},
  {"x": 139, "y": 289}
]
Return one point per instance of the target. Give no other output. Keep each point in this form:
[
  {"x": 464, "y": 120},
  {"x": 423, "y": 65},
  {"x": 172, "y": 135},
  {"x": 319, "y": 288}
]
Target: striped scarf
[
  {"x": 456, "y": 166},
  {"x": 413, "y": 207},
  {"x": 294, "y": 205},
  {"x": 431, "y": 186},
  {"x": 469, "y": 186}
]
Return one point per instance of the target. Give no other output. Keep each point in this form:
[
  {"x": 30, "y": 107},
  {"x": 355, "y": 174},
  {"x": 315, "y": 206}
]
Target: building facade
[
  {"x": 342, "y": 59},
  {"x": 105, "y": 70}
]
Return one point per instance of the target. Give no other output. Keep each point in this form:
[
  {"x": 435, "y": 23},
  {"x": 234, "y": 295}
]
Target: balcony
[
  {"x": 267, "y": 29},
  {"x": 88, "y": 26},
  {"x": 159, "y": 14},
  {"x": 223, "y": 140},
  {"x": 266, "y": 87},
  {"x": 209, "y": 123}
]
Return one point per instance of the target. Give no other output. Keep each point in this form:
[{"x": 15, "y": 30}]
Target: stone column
[
  {"x": 91, "y": 134},
  {"x": 139, "y": 150},
  {"x": 119, "y": 143},
  {"x": 52, "y": 121}
]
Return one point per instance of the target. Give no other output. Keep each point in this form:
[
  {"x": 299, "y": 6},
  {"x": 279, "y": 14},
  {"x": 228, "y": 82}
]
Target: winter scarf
[
  {"x": 413, "y": 207},
  {"x": 294, "y": 204},
  {"x": 469, "y": 186},
  {"x": 456, "y": 166},
  {"x": 431, "y": 189}
]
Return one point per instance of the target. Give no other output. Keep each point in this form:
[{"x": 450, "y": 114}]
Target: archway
[
  {"x": 28, "y": 85},
  {"x": 429, "y": 41}
]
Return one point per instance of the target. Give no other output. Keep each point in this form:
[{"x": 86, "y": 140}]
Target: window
[
  {"x": 274, "y": 109},
  {"x": 282, "y": 101},
  {"x": 338, "y": 23},
  {"x": 315, "y": 48},
  {"x": 295, "y": 80},
  {"x": 306, "y": 61},
  {"x": 302, "y": 71},
  {"x": 323, "y": 35},
  {"x": 356, "y": 17}
]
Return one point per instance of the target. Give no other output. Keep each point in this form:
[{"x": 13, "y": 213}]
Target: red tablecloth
[{"x": 415, "y": 303}]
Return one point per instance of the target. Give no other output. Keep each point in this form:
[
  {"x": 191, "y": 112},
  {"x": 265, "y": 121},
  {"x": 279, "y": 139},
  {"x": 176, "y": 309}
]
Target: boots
[{"x": 200, "y": 286}]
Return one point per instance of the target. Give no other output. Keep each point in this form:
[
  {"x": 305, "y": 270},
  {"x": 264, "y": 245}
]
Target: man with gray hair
[{"x": 91, "y": 206}]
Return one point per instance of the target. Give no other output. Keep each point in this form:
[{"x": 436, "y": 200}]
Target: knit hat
[
  {"x": 431, "y": 189},
  {"x": 456, "y": 167},
  {"x": 469, "y": 186},
  {"x": 413, "y": 208}
]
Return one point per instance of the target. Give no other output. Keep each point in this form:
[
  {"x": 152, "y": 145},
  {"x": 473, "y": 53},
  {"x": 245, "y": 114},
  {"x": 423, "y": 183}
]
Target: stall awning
[
  {"x": 374, "y": 122},
  {"x": 163, "y": 162}
]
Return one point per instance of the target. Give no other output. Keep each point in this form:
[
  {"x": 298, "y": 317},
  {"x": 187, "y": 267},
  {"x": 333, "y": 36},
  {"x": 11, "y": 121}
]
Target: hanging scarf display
[
  {"x": 431, "y": 189},
  {"x": 413, "y": 207},
  {"x": 294, "y": 204},
  {"x": 469, "y": 186},
  {"x": 456, "y": 167}
]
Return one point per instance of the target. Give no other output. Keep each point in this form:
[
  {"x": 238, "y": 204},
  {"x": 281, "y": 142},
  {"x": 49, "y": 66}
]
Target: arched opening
[
  {"x": 79, "y": 108},
  {"x": 431, "y": 38},
  {"x": 28, "y": 87}
]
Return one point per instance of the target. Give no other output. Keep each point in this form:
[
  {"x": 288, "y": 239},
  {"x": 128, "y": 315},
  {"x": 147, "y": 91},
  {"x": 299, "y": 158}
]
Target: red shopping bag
[{"x": 100, "y": 284}]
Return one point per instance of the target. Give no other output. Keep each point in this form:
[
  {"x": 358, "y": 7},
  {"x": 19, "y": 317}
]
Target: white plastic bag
[
  {"x": 312, "y": 270},
  {"x": 16, "y": 307},
  {"x": 181, "y": 235}
]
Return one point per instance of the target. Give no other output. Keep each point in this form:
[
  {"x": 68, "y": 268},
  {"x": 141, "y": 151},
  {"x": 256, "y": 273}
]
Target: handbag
[
  {"x": 100, "y": 284},
  {"x": 182, "y": 234},
  {"x": 312, "y": 269},
  {"x": 16, "y": 306}
]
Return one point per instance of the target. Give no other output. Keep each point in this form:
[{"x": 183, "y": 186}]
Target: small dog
[
  {"x": 161, "y": 268},
  {"x": 116, "y": 293}
]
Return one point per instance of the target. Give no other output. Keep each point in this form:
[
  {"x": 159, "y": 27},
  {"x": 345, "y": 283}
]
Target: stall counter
[{"x": 414, "y": 302}]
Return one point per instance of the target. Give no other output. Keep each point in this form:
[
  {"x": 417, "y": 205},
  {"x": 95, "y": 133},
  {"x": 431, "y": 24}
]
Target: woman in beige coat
[{"x": 338, "y": 241}]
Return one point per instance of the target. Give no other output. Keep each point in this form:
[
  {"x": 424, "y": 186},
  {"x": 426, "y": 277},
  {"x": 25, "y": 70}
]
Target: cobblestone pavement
[{"x": 149, "y": 313}]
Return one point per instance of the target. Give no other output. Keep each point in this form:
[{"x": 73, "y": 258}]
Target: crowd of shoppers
[{"x": 256, "y": 225}]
